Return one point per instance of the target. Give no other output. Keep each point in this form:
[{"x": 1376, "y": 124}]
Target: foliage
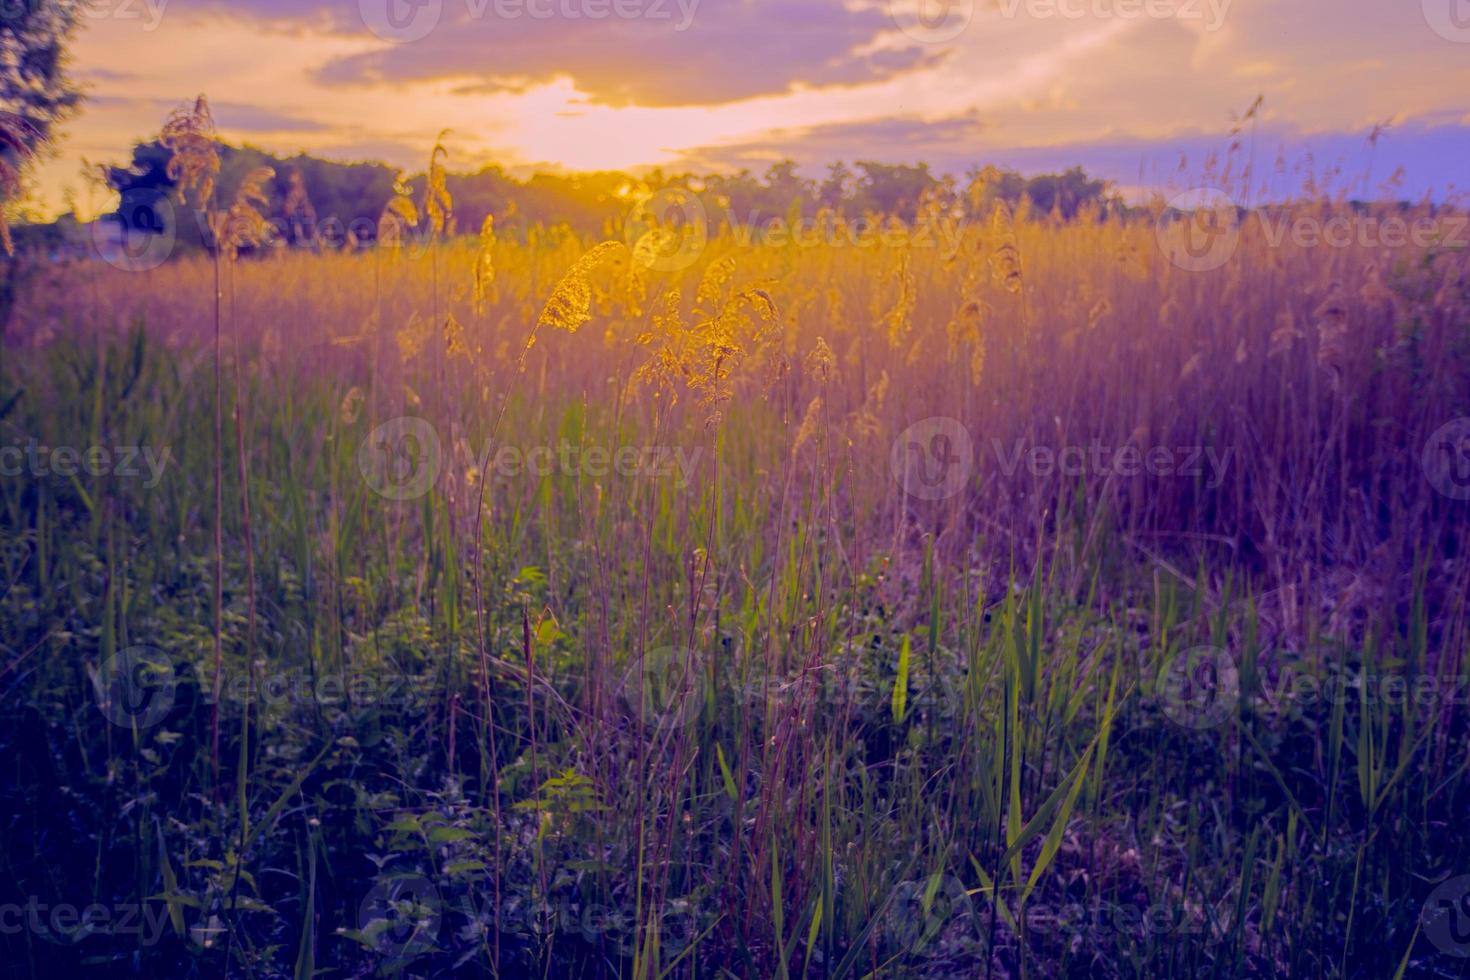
[{"x": 766, "y": 713}]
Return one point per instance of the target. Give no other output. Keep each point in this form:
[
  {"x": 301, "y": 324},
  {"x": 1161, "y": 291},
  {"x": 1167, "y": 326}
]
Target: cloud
[
  {"x": 238, "y": 117},
  {"x": 902, "y": 139},
  {"x": 616, "y": 52},
  {"x": 229, "y": 117},
  {"x": 1284, "y": 157}
]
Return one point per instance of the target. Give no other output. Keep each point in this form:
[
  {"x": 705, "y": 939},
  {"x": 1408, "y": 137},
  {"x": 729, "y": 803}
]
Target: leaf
[
  {"x": 811, "y": 933},
  {"x": 548, "y": 632},
  {"x": 1059, "y": 825},
  {"x": 171, "y": 889},
  {"x": 445, "y": 835},
  {"x": 989, "y": 888},
  {"x": 285, "y": 797},
  {"x": 901, "y": 683},
  {"x": 729, "y": 779}
]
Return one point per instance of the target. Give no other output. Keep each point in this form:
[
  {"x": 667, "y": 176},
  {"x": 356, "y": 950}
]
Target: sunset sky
[{"x": 1122, "y": 87}]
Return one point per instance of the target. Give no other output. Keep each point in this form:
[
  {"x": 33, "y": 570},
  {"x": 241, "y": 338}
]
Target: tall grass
[{"x": 775, "y": 714}]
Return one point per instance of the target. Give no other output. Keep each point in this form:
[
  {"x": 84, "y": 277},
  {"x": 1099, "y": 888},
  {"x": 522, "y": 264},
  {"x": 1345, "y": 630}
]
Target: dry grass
[{"x": 776, "y": 694}]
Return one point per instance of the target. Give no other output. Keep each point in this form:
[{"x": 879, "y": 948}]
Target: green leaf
[
  {"x": 444, "y": 835},
  {"x": 990, "y": 889},
  {"x": 463, "y": 867},
  {"x": 548, "y": 632},
  {"x": 1059, "y": 826},
  {"x": 811, "y": 933},
  {"x": 730, "y": 790},
  {"x": 901, "y": 683},
  {"x": 171, "y": 890}
]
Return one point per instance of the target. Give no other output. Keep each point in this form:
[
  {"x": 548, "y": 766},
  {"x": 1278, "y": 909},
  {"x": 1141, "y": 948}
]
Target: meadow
[{"x": 987, "y": 595}]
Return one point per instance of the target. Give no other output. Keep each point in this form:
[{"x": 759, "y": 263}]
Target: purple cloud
[
  {"x": 1427, "y": 154},
  {"x": 619, "y": 52},
  {"x": 231, "y": 116}
]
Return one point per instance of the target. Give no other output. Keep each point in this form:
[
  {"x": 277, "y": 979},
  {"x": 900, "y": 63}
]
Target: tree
[
  {"x": 833, "y": 193},
  {"x": 1064, "y": 193},
  {"x": 893, "y": 190},
  {"x": 35, "y": 91}
]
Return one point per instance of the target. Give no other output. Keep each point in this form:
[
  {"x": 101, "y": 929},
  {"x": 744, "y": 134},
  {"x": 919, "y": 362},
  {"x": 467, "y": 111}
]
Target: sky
[{"x": 1141, "y": 92}]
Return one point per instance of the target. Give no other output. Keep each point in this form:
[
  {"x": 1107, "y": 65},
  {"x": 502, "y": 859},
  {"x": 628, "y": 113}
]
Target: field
[{"x": 992, "y": 596}]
